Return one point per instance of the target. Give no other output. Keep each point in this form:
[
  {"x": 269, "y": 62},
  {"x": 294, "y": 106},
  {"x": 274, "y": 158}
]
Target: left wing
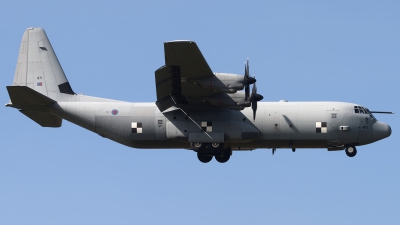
[
  {"x": 188, "y": 57},
  {"x": 186, "y": 81},
  {"x": 183, "y": 61}
]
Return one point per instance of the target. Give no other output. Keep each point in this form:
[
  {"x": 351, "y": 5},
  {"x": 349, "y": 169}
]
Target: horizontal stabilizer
[
  {"x": 44, "y": 119},
  {"x": 23, "y": 97}
]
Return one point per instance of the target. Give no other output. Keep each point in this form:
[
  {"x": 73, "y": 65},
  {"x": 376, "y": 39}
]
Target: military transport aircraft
[{"x": 195, "y": 109}]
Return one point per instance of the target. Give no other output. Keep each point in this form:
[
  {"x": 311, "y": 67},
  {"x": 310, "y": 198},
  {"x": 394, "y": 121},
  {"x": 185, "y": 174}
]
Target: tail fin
[
  {"x": 39, "y": 79},
  {"x": 38, "y": 67}
]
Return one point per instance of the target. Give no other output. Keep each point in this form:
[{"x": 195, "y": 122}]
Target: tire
[
  {"x": 223, "y": 158},
  {"x": 351, "y": 151},
  {"x": 204, "y": 158}
]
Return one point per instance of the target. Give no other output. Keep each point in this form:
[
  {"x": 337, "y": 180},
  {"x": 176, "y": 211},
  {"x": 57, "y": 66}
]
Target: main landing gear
[
  {"x": 204, "y": 158},
  {"x": 206, "y": 151},
  {"x": 223, "y": 158},
  {"x": 351, "y": 151}
]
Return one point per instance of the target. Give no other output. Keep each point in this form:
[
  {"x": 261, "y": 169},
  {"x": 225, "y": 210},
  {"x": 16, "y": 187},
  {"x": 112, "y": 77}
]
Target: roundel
[{"x": 114, "y": 112}]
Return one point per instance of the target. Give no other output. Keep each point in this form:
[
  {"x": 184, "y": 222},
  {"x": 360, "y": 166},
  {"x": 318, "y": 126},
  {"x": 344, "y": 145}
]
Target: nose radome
[{"x": 381, "y": 131}]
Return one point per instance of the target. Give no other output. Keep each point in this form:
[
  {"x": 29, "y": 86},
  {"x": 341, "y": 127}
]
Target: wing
[
  {"x": 188, "y": 57},
  {"x": 183, "y": 62},
  {"x": 186, "y": 81}
]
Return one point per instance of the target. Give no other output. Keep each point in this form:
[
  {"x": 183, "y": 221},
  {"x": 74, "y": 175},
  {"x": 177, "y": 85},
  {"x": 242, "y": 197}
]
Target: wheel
[
  {"x": 351, "y": 151},
  {"x": 223, "y": 157},
  {"x": 204, "y": 158},
  {"x": 197, "y": 146},
  {"x": 215, "y": 146}
]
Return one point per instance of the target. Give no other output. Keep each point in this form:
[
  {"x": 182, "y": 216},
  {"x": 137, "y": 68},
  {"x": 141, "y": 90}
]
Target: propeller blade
[
  {"x": 246, "y": 72},
  {"x": 254, "y": 89},
  {"x": 247, "y": 92},
  {"x": 254, "y": 98},
  {"x": 254, "y": 107},
  {"x": 247, "y": 80},
  {"x": 258, "y": 97}
]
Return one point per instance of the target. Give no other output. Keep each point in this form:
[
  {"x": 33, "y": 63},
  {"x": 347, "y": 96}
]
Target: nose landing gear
[{"x": 351, "y": 151}]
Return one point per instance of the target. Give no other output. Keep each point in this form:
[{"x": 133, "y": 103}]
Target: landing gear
[
  {"x": 204, "y": 158},
  {"x": 196, "y": 146},
  {"x": 206, "y": 151},
  {"x": 351, "y": 151},
  {"x": 215, "y": 146},
  {"x": 223, "y": 158}
]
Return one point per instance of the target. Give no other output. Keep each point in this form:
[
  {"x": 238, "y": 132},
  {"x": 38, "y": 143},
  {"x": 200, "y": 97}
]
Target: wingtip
[
  {"x": 34, "y": 28},
  {"x": 179, "y": 41}
]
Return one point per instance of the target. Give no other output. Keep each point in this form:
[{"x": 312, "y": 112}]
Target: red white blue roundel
[{"x": 114, "y": 112}]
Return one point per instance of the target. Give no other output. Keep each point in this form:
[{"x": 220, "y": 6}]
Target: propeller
[
  {"x": 254, "y": 98},
  {"x": 247, "y": 80}
]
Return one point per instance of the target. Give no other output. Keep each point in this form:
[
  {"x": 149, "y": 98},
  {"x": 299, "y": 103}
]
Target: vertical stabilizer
[{"x": 38, "y": 67}]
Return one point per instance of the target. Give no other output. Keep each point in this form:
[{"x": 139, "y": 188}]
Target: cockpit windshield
[{"x": 362, "y": 110}]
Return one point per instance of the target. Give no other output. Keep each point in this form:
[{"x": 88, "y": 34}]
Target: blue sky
[{"x": 299, "y": 50}]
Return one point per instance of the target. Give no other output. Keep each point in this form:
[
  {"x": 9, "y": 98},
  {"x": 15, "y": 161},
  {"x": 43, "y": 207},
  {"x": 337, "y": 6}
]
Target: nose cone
[{"x": 381, "y": 131}]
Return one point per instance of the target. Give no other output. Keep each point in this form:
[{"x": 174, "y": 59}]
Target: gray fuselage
[{"x": 277, "y": 125}]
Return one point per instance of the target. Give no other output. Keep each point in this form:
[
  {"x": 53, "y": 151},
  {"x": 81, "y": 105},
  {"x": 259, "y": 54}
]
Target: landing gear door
[{"x": 160, "y": 128}]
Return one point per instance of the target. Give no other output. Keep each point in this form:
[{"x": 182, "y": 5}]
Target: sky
[{"x": 299, "y": 51}]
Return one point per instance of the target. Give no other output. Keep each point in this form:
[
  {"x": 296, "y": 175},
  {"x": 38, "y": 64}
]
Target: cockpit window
[
  {"x": 362, "y": 110},
  {"x": 370, "y": 114}
]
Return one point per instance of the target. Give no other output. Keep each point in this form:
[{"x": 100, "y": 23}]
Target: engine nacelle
[
  {"x": 233, "y": 101},
  {"x": 222, "y": 82}
]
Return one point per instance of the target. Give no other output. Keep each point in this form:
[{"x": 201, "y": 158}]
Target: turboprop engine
[
  {"x": 228, "y": 86},
  {"x": 222, "y": 82},
  {"x": 235, "y": 101},
  {"x": 228, "y": 83}
]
